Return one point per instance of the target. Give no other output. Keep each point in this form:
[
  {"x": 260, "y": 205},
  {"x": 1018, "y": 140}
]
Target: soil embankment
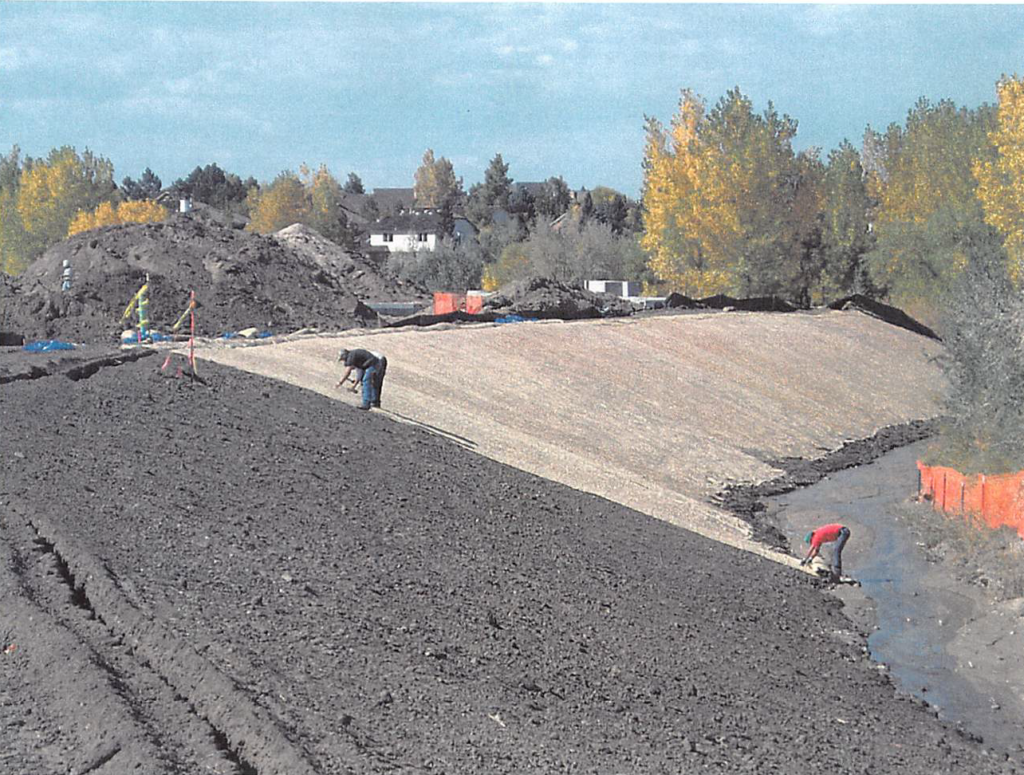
[
  {"x": 660, "y": 414},
  {"x": 319, "y": 589}
]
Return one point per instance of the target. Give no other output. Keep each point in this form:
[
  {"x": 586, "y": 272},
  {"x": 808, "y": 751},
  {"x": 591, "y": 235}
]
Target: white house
[
  {"x": 406, "y": 232},
  {"x": 625, "y": 289}
]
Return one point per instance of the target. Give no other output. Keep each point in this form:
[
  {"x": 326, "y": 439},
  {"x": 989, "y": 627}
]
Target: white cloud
[
  {"x": 824, "y": 20},
  {"x": 544, "y": 60},
  {"x": 19, "y": 57}
]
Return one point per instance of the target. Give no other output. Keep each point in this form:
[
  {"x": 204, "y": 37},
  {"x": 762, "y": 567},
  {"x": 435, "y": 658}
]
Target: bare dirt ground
[
  {"x": 659, "y": 414},
  {"x": 246, "y": 576}
]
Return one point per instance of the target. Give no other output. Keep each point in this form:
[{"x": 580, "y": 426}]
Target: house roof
[
  {"x": 403, "y": 198},
  {"x": 407, "y": 223}
]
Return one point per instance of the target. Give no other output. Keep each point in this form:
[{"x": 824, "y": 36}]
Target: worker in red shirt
[{"x": 826, "y": 534}]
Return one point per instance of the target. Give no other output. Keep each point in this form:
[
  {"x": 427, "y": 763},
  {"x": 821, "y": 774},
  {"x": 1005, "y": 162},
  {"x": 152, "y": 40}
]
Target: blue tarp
[
  {"x": 47, "y": 345},
  {"x": 513, "y": 319}
]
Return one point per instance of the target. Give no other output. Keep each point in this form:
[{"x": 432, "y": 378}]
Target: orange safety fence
[
  {"x": 445, "y": 302},
  {"x": 998, "y": 499}
]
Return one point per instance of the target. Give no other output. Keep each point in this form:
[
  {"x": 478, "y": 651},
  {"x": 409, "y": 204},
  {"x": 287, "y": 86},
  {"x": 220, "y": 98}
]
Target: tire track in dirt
[{"x": 167, "y": 688}]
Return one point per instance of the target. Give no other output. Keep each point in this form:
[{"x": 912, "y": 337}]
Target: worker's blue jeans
[
  {"x": 370, "y": 386},
  {"x": 837, "y": 552}
]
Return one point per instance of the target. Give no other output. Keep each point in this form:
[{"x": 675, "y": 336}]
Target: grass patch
[{"x": 977, "y": 554}]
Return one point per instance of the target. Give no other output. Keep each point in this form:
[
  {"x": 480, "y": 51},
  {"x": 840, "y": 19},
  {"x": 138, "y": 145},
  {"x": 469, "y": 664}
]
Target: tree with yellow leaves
[
  {"x": 718, "y": 190},
  {"x": 280, "y": 204},
  {"x": 1001, "y": 179},
  {"x": 137, "y": 211},
  {"x": 53, "y": 190},
  {"x": 928, "y": 213},
  {"x": 436, "y": 186},
  {"x": 325, "y": 211},
  {"x": 678, "y": 193}
]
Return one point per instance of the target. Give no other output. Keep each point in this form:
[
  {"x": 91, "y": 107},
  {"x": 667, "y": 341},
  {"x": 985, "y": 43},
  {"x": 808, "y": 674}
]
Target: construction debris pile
[
  {"x": 242, "y": 280},
  {"x": 539, "y": 297},
  {"x": 359, "y": 275}
]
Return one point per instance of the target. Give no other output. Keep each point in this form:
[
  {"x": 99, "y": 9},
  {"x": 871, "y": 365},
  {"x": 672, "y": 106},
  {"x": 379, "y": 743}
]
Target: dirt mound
[
  {"x": 889, "y": 314},
  {"x": 755, "y": 304},
  {"x": 241, "y": 280},
  {"x": 679, "y": 301},
  {"x": 359, "y": 275},
  {"x": 539, "y": 297}
]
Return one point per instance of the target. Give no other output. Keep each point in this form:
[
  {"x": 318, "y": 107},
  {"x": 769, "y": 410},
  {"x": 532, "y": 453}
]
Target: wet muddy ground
[
  {"x": 943, "y": 640},
  {"x": 247, "y": 577}
]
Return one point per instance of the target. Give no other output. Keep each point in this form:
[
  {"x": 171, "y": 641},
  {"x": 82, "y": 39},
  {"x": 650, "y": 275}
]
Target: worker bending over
[
  {"x": 824, "y": 535},
  {"x": 369, "y": 368}
]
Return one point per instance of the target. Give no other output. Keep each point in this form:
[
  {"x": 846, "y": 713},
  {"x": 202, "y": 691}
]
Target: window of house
[
  {"x": 421, "y": 237},
  {"x": 389, "y": 237}
]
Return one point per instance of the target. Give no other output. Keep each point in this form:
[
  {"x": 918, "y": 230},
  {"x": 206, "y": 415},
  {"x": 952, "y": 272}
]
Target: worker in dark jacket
[
  {"x": 371, "y": 366},
  {"x": 824, "y": 535}
]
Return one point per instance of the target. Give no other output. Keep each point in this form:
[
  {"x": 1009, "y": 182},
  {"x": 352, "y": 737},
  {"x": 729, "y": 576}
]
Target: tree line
[{"x": 727, "y": 206}]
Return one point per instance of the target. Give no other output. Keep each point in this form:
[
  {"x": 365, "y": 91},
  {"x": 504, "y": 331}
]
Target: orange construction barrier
[
  {"x": 445, "y": 302},
  {"x": 998, "y": 499}
]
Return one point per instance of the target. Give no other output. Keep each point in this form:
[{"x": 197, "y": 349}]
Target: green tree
[
  {"x": 13, "y": 247},
  {"x": 982, "y": 328},
  {"x": 612, "y": 211},
  {"x": 522, "y": 206},
  {"x": 927, "y": 203},
  {"x": 845, "y": 236},
  {"x": 213, "y": 186},
  {"x": 801, "y": 273},
  {"x": 148, "y": 186},
  {"x": 450, "y": 267},
  {"x": 354, "y": 185},
  {"x": 554, "y": 199},
  {"x": 10, "y": 168},
  {"x": 497, "y": 183}
]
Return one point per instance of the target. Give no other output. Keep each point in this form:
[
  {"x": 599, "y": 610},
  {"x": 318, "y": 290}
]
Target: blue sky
[{"x": 557, "y": 89}]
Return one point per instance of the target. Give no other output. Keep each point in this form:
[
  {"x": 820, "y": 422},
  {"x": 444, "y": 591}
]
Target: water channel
[{"x": 944, "y": 641}]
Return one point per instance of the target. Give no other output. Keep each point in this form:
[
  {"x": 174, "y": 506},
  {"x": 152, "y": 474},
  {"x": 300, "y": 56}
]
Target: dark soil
[
  {"x": 747, "y": 500},
  {"x": 541, "y": 298},
  {"x": 259, "y": 579},
  {"x": 677, "y": 300},
  {"x": 889, "y": 314},
  {"x": 755, "y": 304},
  {"x": 241, "y": 280}
]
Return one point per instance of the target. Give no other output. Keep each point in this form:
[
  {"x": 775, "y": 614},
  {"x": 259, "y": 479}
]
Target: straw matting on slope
[{"x": 656, "y": 414}]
